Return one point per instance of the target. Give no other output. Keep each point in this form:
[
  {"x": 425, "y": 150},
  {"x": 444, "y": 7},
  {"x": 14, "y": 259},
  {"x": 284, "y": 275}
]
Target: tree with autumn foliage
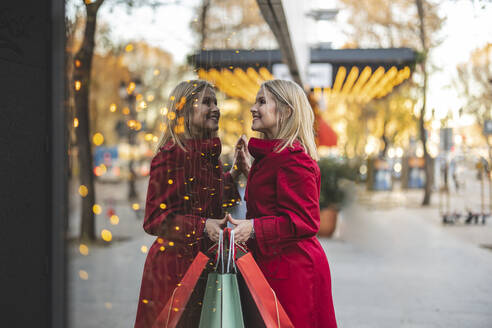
[
  {"x": 81, "y": 88},
  {"x": 474, "y": 83},
  {"x": 231, "y": 24},
  {"x": 394, "y": 121},
  {"x": 400, "y": 23}
]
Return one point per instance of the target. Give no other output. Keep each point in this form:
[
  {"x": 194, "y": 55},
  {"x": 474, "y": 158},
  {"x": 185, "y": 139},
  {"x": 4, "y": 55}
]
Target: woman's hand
[
  {"x": 242, "y": 229},
  {"x": 213, "y": 228},
  {"x": 241, "y": 162}
]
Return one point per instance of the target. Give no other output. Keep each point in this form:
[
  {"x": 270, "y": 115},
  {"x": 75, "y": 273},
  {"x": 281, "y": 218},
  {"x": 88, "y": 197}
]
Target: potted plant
[{"x": 333, "y": 195}]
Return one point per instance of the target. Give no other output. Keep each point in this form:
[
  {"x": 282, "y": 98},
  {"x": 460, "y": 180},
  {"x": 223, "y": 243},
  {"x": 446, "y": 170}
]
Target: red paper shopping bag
[
  {"x": 176, "y": 305},
  {"x": 271, "y": 311}
]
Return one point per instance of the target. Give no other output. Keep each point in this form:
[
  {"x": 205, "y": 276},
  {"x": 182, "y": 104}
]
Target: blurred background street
[
  {"x": 401, "y": 93},
  {"x": 393, "y": 264}
]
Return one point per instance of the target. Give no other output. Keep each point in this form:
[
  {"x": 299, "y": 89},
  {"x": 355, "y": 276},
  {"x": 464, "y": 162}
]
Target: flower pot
[{"x": 328, "y": 222}]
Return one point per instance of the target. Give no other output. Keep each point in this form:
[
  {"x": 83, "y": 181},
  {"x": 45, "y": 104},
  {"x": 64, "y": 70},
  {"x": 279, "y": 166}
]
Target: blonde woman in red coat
[
  {"x": 187, "y": 190},
  {"x": 282, "y": 198}
]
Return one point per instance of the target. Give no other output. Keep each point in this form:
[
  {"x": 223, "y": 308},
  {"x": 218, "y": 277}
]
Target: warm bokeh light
[
  {"x": 83, "y": 249},
  {"x": 131, "y": 87},
  {"x": 144, "y": 249},
  {"x": 98, "y": 139},
  {"x": 171, "y": 116},
  {"x": 112, "y": 108},
  {"x": 96, "y": 209},
  {"x": 163, "y": 206},
  {"x": 136, "y": 206},
  {"x": 170, "y": 181},
  {"x": 129, "y": 47},
  {"x": 141, "y": 105},
  {"x": 397, "y": 167},
  {"x": 181, "y": 103},
  {"x": 78, "y": 85},
  {"x": 98, "y": 171},
  {"x": 75, "y": 122},
  {"x": 131, "y": 124},
  {"x": 83, "y": 275},
  {"x": 114, "y": 219},
  {"x": 399, "y": 152},
  {"x": 106, "y": 235},
  {"x": 83, "y": 191}
]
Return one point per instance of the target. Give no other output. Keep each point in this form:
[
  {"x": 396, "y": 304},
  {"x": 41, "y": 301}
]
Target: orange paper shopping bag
[
  {"x": 172, "y": 312},
  {"x": 264, "y": 310}
]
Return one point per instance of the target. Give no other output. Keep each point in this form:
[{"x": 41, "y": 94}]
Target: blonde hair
[
  {"x": 295, "y": 117},
  {"x": 179, "y": 112}
]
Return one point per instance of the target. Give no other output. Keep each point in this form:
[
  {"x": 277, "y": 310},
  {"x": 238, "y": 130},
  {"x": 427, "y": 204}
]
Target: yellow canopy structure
[{"x": 359, "y": 87}]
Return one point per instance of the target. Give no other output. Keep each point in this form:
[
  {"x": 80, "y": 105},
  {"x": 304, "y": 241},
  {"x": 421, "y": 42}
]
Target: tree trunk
[
  {"x": 423, "y": 135},
  {"x": 384, "y": 137},
  {"x": 203, "y": 23},
  {"x": 385, "y": 140},
  {"x": 82, "y": 73}
]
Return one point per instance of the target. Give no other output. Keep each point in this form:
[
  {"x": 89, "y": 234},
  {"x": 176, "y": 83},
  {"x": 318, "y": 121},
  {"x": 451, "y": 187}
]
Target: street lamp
[{"x": 129, "y": 94}]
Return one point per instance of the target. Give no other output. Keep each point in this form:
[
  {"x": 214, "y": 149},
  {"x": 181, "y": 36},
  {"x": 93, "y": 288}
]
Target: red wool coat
[
  {"x": 282, "y": 196},
  {"x": 184, "y": 189}
]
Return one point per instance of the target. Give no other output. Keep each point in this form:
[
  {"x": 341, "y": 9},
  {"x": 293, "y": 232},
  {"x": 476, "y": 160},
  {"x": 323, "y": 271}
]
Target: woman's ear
[{"x": 288, "y": 112}]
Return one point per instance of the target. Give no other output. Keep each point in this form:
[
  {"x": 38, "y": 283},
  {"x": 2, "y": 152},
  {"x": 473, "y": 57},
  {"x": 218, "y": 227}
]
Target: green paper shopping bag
[{"x": 222, "y": 303}]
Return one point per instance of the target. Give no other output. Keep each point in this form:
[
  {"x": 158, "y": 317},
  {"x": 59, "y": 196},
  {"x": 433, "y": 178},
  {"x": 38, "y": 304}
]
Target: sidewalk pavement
[{"x": 392, "y": 263}]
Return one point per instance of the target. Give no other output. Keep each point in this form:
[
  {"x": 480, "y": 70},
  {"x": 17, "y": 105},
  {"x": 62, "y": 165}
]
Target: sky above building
[{"x": 467, "y": 28}]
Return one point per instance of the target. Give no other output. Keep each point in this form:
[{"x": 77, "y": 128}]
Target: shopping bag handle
[
  {"x": 276, "y": 307},
  {"x": 171, "y": 306},
  {"x": 232, "y": 252},
  {"x": 220, "y": 251}
]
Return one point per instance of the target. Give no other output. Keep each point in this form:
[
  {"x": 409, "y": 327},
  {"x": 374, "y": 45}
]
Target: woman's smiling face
[
  {"x": 264, "y": 113},
  {"x": 205, "y": 117}
]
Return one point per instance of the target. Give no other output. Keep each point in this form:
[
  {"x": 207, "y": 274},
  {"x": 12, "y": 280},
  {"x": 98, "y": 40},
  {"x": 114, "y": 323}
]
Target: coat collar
[{"x": 259, "y": 148}]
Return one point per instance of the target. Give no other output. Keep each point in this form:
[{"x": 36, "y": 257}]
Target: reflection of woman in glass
[
  {"x": 187, "y": 189},
  {"x": 282, "y": 198}
]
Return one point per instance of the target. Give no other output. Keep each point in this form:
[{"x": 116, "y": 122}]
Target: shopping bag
[
  {"x": 222, "y": 301},
  {"x": 232, "y": 315},
  {"x": 172, "y": 313},
  {"x": 261, "y": 307}
]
